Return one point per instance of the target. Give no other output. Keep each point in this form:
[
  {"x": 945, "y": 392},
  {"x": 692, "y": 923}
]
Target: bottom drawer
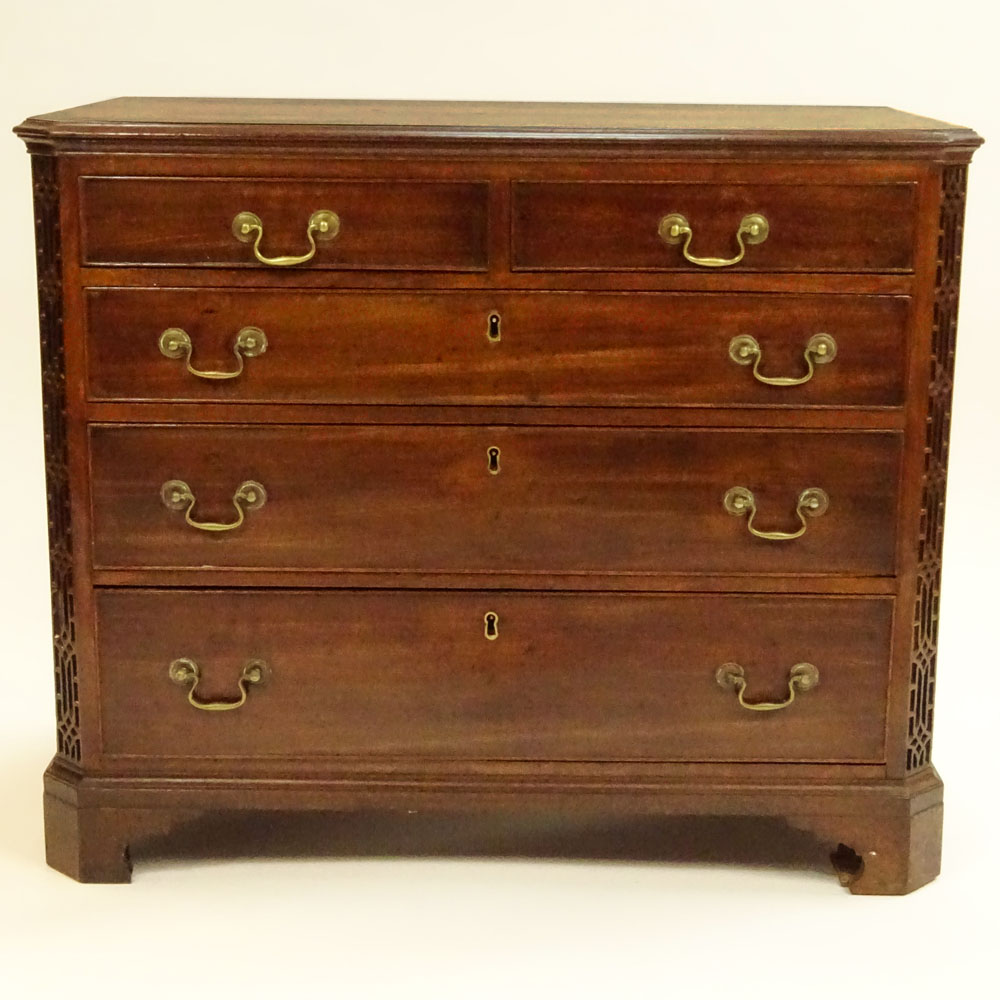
[{"x": 491, "y": 675}]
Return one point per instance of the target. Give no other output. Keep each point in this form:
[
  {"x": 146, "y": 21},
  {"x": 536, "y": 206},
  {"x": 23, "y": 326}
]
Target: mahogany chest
[{"x": 449, "y": 455}]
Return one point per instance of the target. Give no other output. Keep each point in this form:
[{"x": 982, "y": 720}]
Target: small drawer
[
  {"x": 388, "y": 225},
  {"x": 503, "y": 348},
  {"x": 713, "y": 228},
  {"x": 494, "y": 499},
  {"x": 493, "y": 676}
]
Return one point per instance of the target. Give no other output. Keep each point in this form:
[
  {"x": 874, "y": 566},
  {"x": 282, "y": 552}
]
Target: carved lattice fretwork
[
  {"x": 49, "y": 262},
  {"x": 923, "y": 662}
]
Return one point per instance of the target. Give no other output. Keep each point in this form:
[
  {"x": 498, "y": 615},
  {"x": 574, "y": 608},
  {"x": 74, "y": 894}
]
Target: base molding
[{"x": 884, "y": 836}]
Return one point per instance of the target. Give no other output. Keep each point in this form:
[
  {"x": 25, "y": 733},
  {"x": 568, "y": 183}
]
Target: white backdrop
[{"x": 488, "y": 928}]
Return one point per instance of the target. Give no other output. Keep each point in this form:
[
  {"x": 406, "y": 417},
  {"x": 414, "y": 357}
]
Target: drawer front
[
  {"x": 616, "y": 227},
  {"x": 540, "y": 349},
  {"x": 567, "y": 677},
  {"x": 493, "y": 499},
  {"x": 412, "y": 225}
]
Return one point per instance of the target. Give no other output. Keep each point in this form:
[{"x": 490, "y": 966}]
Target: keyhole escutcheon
[
  {"x": 493, "y": 328},
  {"x": 491, "y": 623},
  {"x": 493, "y": 460}
]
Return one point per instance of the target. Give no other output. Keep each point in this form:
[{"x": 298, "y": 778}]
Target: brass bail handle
[
  {"x": 802, "y": 677},
  {"x": 322, "y": 225},
  {"x": 753, "y": 229},
  {"x": 812, "y": 502},
  {"x": 185, "y": 672},
  {"x": 251, "y": 342},
  {"x": 820, "y": 349},
  {"x": 177, "y": 495}
]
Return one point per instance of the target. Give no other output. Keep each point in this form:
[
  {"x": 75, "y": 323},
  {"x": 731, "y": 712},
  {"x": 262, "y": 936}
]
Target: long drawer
[
  {"x": 196, "y": 222},
  {"x": 749, "y": 226},
  {"x": 496, "y": 348},
  {"x": 492, "y": 675},
  {"x": 494, "y": 499}
]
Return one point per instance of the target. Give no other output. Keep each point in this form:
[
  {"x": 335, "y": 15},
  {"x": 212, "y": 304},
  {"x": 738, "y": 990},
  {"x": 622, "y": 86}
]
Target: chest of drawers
[{"x": 469, "y": 456}]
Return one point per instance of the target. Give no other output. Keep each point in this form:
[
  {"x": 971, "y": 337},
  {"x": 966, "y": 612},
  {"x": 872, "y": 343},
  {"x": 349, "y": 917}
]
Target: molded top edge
[{"x": 232, "y": 120}]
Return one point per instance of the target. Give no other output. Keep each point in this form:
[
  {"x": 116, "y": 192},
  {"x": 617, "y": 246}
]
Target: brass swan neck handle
[
  {"x": 250, "y": 342},
  {"x": 177, "y": 495},
  {"x": 820, "y": 349},
  {"x": 186, "y": 672},
  {"x": 675, "y": 228},
  {"x": 802, "y": 677},
  {"x": 322, "y": 225},
  {"x": 812, "y": 502}
]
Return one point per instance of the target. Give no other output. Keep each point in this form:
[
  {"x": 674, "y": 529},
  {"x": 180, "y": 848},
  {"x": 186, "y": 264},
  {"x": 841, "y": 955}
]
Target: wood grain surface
[
  {"x": 618, "y": 580},
  {"x": 383, "y": 225},
  {"x": 568, "y": 677},
  {"x": 613, "y": 227},
  {"x": 408, "y": 499},
  {"x": 553, "y": 349},
  {"x": 180, "y": 122}
]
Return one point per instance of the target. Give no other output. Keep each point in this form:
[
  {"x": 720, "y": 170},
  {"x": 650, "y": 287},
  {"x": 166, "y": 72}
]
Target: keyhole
[
  {"x": 493, "y": 460},
  {"x": 493, "y": 328},
  {"x": 491, "y": 620}
]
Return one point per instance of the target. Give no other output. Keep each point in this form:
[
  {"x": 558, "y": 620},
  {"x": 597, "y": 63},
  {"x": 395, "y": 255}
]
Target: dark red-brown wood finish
[
  {"x": 498, "y": 416},
  {"x": 551, "y": 349},
  {"x": 561, "y": 500},
  {"x": 409, "y": 675}
]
